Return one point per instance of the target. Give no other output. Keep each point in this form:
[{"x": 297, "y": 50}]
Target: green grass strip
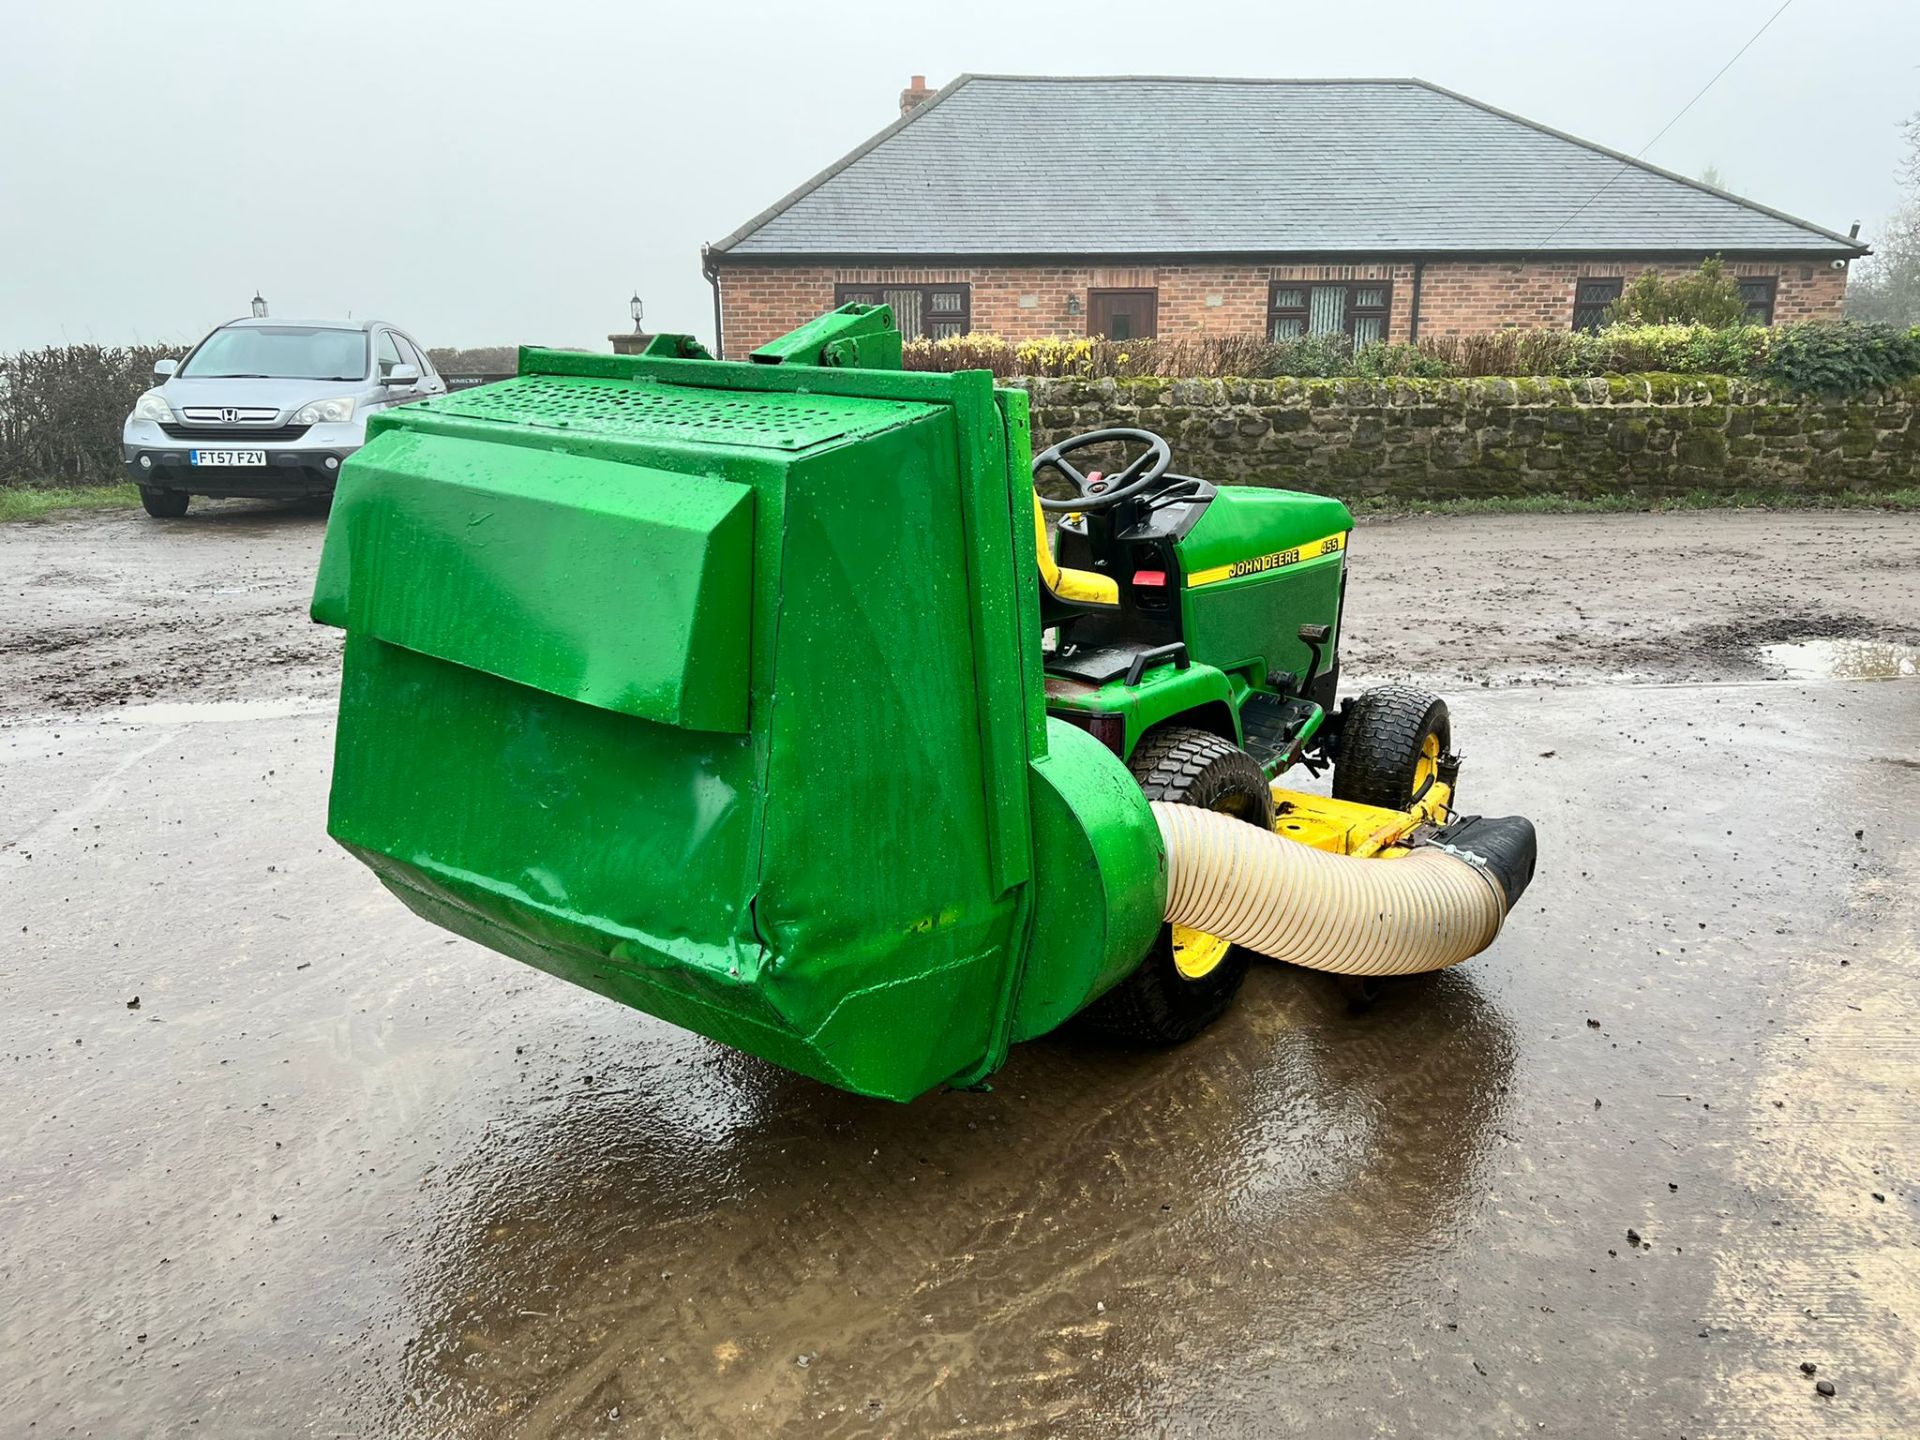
[{"x": 24, "y": 503}]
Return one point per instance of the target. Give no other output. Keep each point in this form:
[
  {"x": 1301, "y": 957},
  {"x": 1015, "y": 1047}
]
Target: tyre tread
[
  {"x": 1182, "y": 765},
  {"x": 162, "y": 503},
  {"x": 1380, "y": 744}
]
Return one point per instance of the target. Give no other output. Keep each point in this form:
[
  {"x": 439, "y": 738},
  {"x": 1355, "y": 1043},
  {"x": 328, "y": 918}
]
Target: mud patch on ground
[
  {"x": 1544, "y": 600},
  {"x": 113, "y": 609},
  {"x": 71, "y": 669},
  {"x": 50, "y": 641},
  {"x": 1734, "y": 646}
]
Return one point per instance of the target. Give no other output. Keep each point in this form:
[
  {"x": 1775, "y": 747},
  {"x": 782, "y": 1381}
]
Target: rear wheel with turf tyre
[
  {"x": 163, "y": 504},
  {"x": 1188, "y": 978},
  {"x": 1390, "y": 747}
]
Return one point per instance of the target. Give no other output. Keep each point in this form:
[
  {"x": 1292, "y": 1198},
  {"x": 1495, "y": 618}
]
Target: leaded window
[
  {"x": 1355, "y": 308},
  {"x": 1593, "y": 296},
  {"x": 928, "y": 312}
]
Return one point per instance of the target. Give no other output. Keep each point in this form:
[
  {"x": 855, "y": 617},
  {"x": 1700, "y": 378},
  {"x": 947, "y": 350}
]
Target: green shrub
[
  {"x": 1251, "y": 357},
  {"x": 1681, "y": 349},
  {"x": 1092, "y": 357},
  {"x": 1844, "y": 358},
  {"x": 1709, "y": 296},
  {"x": 1325, "y": 356},
  {"x": 1735, "y": 350},
  {"x": 1307, "y": 356},
  {"x": 1616, "y": 350},
  {"x": 1392, "y": 358}
]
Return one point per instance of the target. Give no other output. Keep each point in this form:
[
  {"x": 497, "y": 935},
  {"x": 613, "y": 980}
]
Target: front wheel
[
  {"x": 1391, "y": 744},
  {"x": 163, "y": 504},
  {"x": 1189, "y": 977}
]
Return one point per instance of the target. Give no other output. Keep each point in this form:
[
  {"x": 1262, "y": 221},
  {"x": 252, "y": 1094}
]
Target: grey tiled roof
[{"x": 1013, "y": 165}]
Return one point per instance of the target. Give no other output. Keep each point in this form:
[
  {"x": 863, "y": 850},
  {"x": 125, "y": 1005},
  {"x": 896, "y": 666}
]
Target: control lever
[{"x": 1313, "y": 637}]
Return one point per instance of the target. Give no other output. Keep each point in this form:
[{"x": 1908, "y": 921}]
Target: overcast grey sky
[{"x": 500, "y": 172}]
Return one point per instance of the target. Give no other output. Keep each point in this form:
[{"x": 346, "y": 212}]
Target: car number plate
[{"x": 227, "y": 457}]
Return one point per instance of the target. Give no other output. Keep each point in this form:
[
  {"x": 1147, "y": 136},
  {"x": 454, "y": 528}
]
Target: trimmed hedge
[
  {"x": 1843, "y": 358},
  {"x": 61, "y": 409}
]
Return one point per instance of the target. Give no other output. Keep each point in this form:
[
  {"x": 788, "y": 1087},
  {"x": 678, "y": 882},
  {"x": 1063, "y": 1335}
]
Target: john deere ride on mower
[{"x": 761, "y": 697}]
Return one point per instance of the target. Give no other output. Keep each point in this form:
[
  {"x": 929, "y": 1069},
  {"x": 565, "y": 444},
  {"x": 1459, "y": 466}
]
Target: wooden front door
[{"x": 1123, "y": 314}]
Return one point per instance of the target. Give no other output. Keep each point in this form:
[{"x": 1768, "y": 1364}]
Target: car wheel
[{"x": 163, "y": 504}]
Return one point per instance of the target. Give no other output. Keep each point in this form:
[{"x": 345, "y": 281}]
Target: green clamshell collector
[{"x": 716, "y": 688}]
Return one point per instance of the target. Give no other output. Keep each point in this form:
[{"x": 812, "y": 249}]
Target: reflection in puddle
[
  {"x": 1843, "y": 659},
  {"x": 728, "y": 1249}
]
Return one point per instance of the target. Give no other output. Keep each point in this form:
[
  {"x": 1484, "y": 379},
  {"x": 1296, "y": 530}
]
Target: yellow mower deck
[{"x": 1345, "y": 828}]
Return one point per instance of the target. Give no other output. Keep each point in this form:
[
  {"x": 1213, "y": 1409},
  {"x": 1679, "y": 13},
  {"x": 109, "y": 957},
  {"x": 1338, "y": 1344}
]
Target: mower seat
[{"x": 1079, "y": 588}]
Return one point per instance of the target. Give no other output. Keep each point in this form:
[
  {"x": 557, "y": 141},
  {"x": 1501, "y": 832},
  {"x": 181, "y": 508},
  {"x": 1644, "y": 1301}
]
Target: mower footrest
[{"x": 1270, "y": 723}]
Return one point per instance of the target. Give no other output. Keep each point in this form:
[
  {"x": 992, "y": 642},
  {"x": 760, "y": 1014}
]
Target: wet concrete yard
[{"x": 340, "y": 1174}]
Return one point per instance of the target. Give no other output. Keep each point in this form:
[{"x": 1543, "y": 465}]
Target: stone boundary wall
[{"x": 1647, "y": 435}]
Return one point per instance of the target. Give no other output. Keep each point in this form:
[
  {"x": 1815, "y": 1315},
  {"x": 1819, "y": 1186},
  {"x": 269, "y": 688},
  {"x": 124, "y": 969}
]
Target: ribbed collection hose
[{"x": 1422, "y": 911}]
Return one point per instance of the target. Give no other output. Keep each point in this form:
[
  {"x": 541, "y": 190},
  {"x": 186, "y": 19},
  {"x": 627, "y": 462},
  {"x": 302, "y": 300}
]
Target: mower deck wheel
[
  {"x": 1189, "y": 978},
  {"x": 1390, "y": 747}
]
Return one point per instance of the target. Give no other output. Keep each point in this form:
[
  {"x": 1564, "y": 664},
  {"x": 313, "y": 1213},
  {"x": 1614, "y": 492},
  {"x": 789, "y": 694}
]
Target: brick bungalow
[{"x": 1126, "y": 206}]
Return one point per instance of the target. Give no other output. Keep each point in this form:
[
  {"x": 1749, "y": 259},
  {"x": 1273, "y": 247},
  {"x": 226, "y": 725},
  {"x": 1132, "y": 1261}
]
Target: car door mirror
[
  {"x": 163, "y": 370},
  {"x": 402, "y": 375}
]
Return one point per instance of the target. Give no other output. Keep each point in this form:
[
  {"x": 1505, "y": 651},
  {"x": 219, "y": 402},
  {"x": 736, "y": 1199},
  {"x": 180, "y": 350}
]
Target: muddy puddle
[{"x": 1842, "y": 660}]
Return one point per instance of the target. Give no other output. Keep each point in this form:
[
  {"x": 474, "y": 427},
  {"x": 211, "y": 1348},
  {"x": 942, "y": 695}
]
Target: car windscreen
[{"x": 279, "y": 352}]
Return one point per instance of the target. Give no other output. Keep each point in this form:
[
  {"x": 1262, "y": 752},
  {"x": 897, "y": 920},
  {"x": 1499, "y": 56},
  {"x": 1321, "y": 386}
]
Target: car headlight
[
  {"x": 153, "y": 406},
  {"x": 324, "y": 412}
]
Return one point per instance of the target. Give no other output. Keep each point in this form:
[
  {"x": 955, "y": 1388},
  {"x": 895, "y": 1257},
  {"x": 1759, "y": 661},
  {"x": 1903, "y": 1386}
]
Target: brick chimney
[{"x": 915, "y": 94}]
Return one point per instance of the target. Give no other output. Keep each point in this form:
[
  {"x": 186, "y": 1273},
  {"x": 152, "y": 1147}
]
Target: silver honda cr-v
[{"x": 268, "y": 408}]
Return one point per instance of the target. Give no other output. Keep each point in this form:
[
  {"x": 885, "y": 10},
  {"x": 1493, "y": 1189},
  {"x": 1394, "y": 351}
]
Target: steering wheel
[{"x": 1109, "y": 490}]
